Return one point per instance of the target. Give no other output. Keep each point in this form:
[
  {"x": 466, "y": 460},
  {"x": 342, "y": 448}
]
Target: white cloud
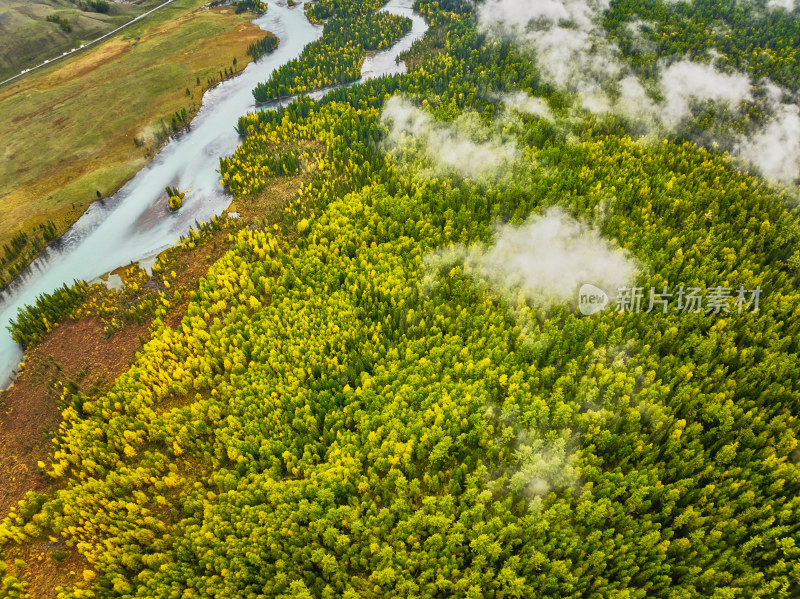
[
  {"x": 684, "y": 81},
  {"x": 549, "y": 257},
  {"x": 460, "y": 146},
  {"x": 784, "y": 4},
  {"x": 529, "y": 104},
  {"x": 775, "y": 149},
  {"x": 680, "y": 84},
  {"x": 574, "y": 54},
  {"x": 571, "y": 48},
  {"x": 545, "y": 260}
]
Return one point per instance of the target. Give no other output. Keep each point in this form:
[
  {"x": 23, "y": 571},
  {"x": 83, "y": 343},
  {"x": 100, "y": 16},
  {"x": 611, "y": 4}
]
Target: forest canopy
[{"x": 360, "y": 401}]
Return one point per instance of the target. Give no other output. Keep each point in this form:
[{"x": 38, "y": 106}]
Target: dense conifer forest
[{"x": 365, "y": 397}]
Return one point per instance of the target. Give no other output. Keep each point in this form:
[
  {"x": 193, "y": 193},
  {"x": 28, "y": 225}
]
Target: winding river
[{"x": 135, "y": 223}]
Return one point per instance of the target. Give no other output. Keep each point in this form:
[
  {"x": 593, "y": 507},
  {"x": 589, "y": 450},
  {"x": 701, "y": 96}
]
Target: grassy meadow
[{"x": 29, "y": 38}]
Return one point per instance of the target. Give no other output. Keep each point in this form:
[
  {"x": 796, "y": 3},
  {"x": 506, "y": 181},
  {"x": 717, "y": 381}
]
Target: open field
[
  {"x": 29, "y": 38},
  {"x": 69, "y": 131}
]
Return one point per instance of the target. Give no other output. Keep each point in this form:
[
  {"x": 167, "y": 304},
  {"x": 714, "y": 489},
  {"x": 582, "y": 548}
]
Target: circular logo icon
[{"x": 591, "y": 299}]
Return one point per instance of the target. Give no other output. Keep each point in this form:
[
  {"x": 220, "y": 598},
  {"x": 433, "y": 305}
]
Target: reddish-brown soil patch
[
  {"x": 29, "y": 413},
  {"x": 47, "y": 566}
]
